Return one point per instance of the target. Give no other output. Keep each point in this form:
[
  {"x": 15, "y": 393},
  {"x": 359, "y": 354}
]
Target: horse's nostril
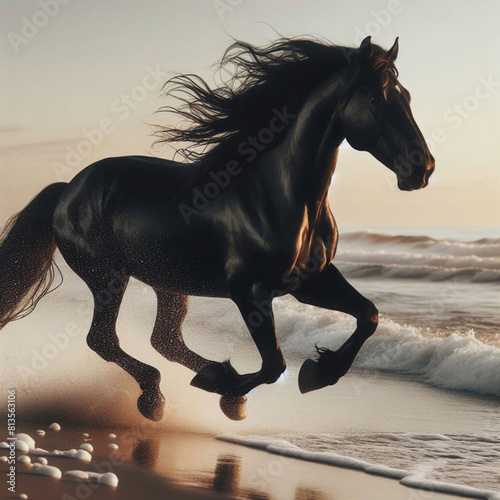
[{"x": 427, "y": 174}]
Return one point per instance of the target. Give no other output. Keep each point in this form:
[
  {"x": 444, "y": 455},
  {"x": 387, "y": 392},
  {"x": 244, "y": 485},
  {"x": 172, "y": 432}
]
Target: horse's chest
[
  {"x": 315, "y": 253},
  {"x": 310, "y": 253}
]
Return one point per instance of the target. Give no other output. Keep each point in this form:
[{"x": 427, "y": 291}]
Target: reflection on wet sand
[
  {"x": 145, "y": 452},
  {"x": 306, "y": 493},
  {"x": 227, "y": 478},
  {"x": 227, "y": 474},
  {"x": 208, "y": 471}
]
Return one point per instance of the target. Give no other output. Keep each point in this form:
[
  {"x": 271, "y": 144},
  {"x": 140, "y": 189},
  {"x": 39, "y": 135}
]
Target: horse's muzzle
[{"x": 416, "y": 180}]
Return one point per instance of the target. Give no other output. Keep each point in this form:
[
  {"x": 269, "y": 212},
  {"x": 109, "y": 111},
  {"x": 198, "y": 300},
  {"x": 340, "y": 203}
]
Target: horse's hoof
[
  {"x": 308, "y": 377},
  {"x": 216, "y": 377},
  {"x": 151, "y": 405},
  {"x": 234, "y": 407}
]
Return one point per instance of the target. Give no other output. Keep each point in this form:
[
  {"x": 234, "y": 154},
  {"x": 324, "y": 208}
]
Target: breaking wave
[{"x": 456, "y": 361}]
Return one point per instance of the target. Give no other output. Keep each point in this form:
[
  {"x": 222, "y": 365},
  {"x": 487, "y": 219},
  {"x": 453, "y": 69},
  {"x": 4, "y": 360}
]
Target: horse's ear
[
  {"x": 392, "y": 53},
  {"x": 366, "y": 48}
]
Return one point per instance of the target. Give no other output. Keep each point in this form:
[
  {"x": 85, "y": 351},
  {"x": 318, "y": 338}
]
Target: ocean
[{"x": 423, "y": 395}]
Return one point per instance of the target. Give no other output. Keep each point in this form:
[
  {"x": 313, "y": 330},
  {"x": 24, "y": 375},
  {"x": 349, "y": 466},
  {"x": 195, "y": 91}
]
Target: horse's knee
[
  {"x": 274, "y": 372},
  {"x": 368, "y": 317}
]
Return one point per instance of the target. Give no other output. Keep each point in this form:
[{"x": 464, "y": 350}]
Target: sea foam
[
  {"x": 457, "y": 361},
  {"x": 405, "y": 477}
]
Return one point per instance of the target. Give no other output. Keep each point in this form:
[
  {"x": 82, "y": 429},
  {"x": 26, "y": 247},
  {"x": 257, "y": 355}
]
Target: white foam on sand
[
  {"x": 106, "y": 479},
  {"x": 77, "y": 474},
  {"x": 82, "y": 455},
  {"x": 47, "y": 470},
  {"x": 22, "y": 446},
  {"x": 26, "y": 443},
  {"x": 405, "y": 477},
  {"x": 27, "y": 439},
  {"x": 87, "y": 447}
]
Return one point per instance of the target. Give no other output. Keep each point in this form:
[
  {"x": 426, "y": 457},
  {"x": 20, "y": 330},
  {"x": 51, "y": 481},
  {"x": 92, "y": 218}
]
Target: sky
[{"x": 81, "y": 81}]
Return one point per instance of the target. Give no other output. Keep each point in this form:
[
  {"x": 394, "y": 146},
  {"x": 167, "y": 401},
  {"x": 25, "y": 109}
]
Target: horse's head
[{"x": 378, "y": 118}]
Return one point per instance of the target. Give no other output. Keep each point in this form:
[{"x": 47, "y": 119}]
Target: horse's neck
[{"x": 305, "y": 160}]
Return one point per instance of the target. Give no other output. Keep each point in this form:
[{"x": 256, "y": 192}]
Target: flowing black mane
[{"x": 254, "y": 82}]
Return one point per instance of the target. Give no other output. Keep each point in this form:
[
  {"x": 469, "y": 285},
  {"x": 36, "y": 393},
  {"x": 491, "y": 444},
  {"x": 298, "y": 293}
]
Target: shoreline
[
  {"x": 404, "y": 477},
  {"x": 190, "y": 466}
]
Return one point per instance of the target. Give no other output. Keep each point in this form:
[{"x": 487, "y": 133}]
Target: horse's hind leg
[
  {"x": 167, "y": 333},
  {"x": 108, "y": 292},
  {"x": 167, "y": 340}
]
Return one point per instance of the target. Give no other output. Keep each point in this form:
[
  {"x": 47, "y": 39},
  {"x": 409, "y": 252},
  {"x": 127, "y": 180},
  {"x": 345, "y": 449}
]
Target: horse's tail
[{"x": 27, "y": 246}]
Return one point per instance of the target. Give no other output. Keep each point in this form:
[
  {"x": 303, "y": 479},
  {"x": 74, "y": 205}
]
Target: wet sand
[{"x": 152, "y": 465}]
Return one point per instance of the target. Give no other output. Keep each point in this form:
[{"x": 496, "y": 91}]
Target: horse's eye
[{"x": 373, "y": 99}]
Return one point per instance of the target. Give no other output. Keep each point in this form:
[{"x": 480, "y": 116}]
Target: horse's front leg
[
  {"x": 255, "y": 307},
  {"x": 330, "y": 290}
]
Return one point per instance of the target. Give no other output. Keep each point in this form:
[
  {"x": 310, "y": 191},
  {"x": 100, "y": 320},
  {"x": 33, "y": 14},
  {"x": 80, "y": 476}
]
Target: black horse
[{"x": 248, "y": 217}]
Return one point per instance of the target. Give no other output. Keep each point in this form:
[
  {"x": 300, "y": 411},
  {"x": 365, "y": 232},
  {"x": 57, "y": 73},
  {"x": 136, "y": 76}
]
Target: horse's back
[
  {"x": 96, "y": 191},
  {"x": 125, "y": 177},
  {"x": 124, "y": 212},
  {"x": 134, "y": 174}
]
